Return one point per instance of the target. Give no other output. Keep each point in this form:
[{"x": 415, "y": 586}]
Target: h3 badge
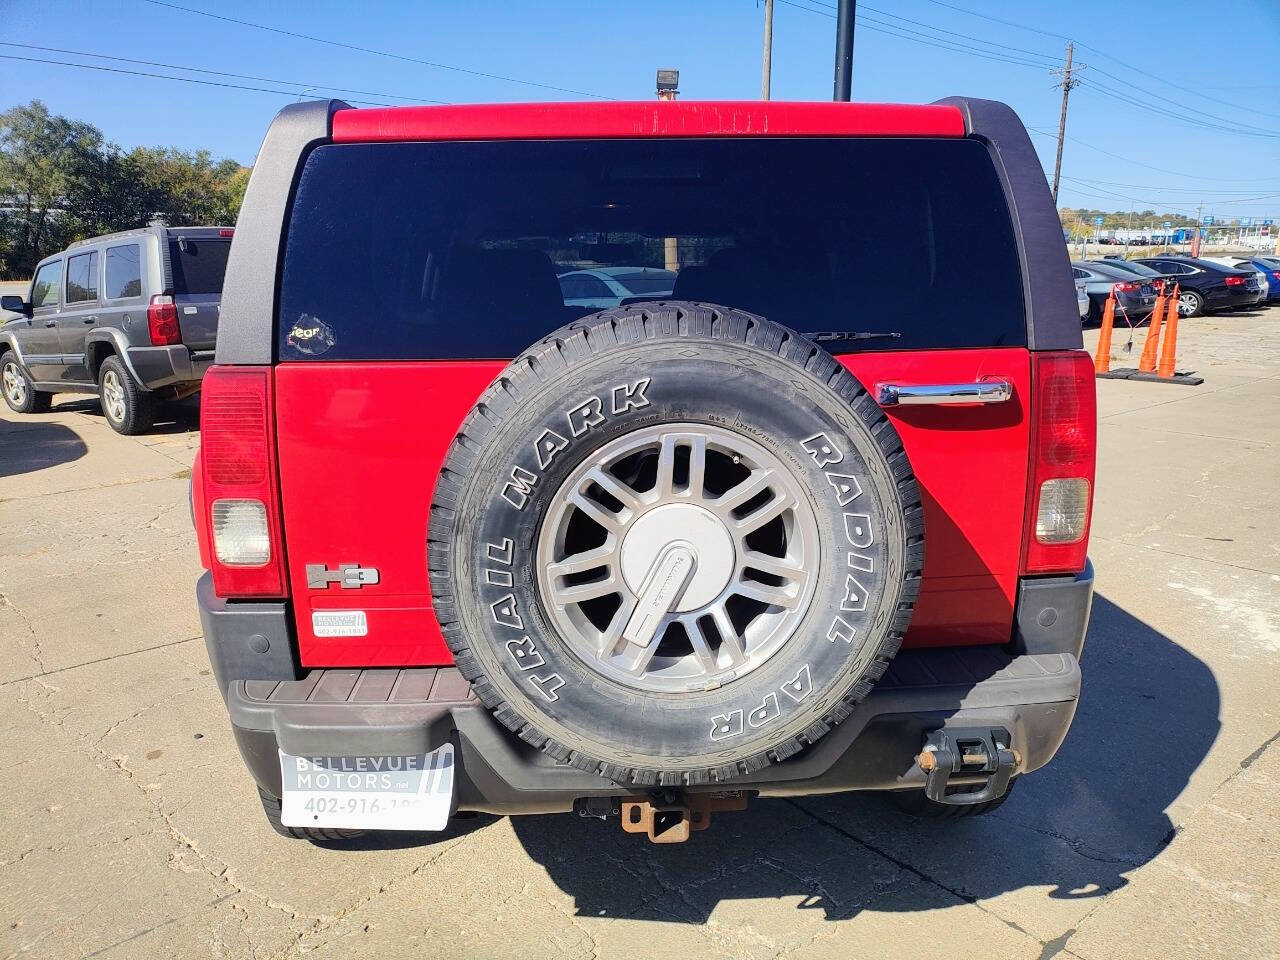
[{"x": 349, "y": 576}]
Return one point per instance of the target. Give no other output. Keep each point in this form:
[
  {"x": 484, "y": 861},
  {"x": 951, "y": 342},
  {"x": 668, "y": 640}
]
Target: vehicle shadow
[
  {"x": 32, "y": 445},
  {"x": 1147, "y": 717},
  {"x": 173, "y": 416}
]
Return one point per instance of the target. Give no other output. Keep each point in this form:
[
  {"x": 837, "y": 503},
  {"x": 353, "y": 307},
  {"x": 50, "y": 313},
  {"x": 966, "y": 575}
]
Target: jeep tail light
[
  {"x": 240, "y": 487},
  {"x": 1064, "y": 439},
  {"x": 162, "y": 321}
]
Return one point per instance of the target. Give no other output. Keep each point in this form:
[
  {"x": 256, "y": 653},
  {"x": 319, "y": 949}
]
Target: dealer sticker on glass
[{"x": 368, "y": 793}]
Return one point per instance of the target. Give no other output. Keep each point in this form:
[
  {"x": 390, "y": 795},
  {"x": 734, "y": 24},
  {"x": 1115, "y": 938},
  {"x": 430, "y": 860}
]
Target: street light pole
[
  {"x": 768, "y": 50},
  {"x": 845, "y": 16}
]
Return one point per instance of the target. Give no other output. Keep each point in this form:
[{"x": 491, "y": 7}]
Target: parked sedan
[
  {"x": 1204, "y": 285},
  {"x": 1135, "y": 298},
  {"x": 608, "y": 287},
  {"x": 1269, "y": 270}
]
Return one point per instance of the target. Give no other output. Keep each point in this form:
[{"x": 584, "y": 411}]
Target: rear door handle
[
  {"x": 993, "y": 390},
  {"x": 89, "y": 320},
  {"x": 51, "y": 323}
]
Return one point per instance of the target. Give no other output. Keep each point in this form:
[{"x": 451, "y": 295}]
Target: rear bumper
[
  {"x": 1029, "y": 690},
  {"x": 157, "y": 367}
]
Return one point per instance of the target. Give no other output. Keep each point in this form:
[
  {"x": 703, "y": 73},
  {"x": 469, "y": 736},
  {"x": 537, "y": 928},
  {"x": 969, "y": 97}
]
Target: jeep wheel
[
  {"x": 19, "y": 393},
  {"x": 128, "y": 408},
  {"x": 674, "y": 543}
]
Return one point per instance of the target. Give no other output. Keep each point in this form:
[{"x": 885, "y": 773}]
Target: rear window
[
  {"x": 198, "y": 265},
  {"x": 453, "y": 250}
]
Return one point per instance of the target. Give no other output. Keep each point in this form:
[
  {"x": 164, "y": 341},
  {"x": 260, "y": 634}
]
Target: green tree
[{"x": 43, "y": 160}]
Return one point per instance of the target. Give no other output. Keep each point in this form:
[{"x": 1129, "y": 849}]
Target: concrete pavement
[{"x": 132, "y": 830}]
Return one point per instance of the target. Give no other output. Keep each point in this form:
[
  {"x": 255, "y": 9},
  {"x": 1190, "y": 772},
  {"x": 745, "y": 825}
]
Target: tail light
[
  {"x": 1235, "y": 280},
  {"x": 1064, "y": 440},
  {"x": 162, "y": 321},
  {"x": 1128, "y": 287},
  {"x": 226, "y": 232},
  {"x": 240, "y": 488},
  {"x": 1275, "y": 274}
]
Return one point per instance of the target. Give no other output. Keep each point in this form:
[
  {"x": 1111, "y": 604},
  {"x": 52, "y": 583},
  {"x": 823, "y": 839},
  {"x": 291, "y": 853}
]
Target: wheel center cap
[{"x": 686, "y": 525}]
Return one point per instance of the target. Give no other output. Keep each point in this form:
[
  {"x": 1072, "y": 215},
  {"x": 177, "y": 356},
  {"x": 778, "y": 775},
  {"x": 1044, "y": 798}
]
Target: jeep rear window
[
  {"x": 198, "y": 265},
  {"x": 452, "y": 250}
]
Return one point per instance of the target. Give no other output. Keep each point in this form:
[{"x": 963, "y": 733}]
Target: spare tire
[{"x": 673, "y": 543}]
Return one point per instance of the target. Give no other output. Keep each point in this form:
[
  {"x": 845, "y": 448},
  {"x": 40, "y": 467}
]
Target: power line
[
  {"x": 162, "y": 76},
  {"x": 1227, "y": 127},
  {"x": 1146, "y": 186},
  {"x": 1176, "y": 173},
  {"x": 375, "y": 52},
  {"x": 216, "y": 73}
]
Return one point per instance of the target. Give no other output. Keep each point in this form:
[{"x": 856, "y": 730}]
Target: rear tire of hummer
[
  {"x": 674, "y": 543},
  {"x": 271, "y": 807}
]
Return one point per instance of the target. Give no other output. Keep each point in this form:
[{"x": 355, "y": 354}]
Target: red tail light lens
[
  {"x": 1064, "y": 440},
  {"x": 162, "y": 321},
  {"x": 240, "y": 490},
  {"x": 1275, "y": 274},
  {"x": 1234, "y": 280},
  {"x": 1128, "y": 287},
  {"x": 226, "y": 232}
]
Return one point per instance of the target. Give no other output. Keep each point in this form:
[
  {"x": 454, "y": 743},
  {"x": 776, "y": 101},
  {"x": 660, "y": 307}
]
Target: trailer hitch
[
  {"x": 669, "y": 817},
  {"x": 967, "y": 752}
]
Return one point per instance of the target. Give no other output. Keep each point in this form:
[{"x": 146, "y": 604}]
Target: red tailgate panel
[
  {"x": 971, "y": 462},
  {"x": 360, "y": 445}
]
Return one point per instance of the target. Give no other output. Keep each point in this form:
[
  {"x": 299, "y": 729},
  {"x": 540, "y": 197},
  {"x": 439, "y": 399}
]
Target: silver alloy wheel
[
  {"x": 15, "y": 385},
  {"x": 113, "y": 396},
  {"x": 1187, "y": 303},
  {"x": 678, "y": 557}
]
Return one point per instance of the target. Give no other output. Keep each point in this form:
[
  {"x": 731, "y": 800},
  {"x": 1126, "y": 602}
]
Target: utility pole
[
  {"x": 1068, "y": 81},
  {"x": 845, "y": 16},
  {"x": 768, "y": 50}
]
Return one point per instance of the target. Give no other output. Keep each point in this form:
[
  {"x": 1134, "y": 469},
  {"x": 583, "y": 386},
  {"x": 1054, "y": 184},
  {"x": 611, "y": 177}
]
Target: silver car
[{"x": 1135, "y": 296}]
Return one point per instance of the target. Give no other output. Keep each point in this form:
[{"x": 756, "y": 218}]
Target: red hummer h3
[{"x": 772, "y": 500}]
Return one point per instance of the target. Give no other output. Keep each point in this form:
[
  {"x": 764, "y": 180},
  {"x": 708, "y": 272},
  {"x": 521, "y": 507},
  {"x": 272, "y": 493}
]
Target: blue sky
[{"x": 1218, "y": 65}]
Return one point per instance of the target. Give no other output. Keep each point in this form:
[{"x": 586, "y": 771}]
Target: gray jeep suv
[{"x": 131, "y": 316}]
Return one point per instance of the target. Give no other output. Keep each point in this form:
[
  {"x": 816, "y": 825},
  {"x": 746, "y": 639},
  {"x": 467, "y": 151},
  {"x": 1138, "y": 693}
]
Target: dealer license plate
[{"x": 368, "y": 793}]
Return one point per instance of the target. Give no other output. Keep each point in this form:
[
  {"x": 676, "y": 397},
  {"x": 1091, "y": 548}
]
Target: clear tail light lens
[
  {"x": 241, "y": 533},
  {"x": 1064, "y": 437},
  {"x": 1063, "y": 511}
]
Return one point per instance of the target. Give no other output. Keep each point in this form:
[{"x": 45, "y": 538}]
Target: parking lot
[{"x": 132, "y": 829}]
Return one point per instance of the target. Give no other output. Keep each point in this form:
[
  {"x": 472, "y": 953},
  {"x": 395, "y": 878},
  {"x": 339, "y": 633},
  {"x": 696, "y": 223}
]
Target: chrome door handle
[
  {"x": 51, "y": 323},
  {"x": 89, "y": 320},
  {"x": 994, "y": 390}
]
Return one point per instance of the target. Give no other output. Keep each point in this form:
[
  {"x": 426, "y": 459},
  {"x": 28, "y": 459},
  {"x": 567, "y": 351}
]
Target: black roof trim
[{"x": 245, "y": 322}]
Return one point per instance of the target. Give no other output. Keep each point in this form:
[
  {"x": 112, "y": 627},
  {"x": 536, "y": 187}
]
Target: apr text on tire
[{"x": 674, "y": 543}]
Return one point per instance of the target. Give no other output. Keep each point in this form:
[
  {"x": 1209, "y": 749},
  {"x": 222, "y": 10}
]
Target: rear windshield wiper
[{"x": 821, "y": 336}]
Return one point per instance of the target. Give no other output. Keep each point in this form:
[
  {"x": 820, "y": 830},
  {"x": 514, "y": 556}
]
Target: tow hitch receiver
[
  {"x": 670, "y": 818},
  {"x": 967, "y": 752}
]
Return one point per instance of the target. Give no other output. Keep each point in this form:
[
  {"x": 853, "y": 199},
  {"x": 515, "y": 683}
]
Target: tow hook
[
  {"x": 967, "y": 752},
  {"x": 670, "y": 817}
]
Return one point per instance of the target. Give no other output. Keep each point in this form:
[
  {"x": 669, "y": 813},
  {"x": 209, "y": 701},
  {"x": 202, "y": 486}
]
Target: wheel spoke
[
  {"x": 578, "y": 592},
  {"x": 732, "y": 644},
  {"x": 611, "y": 521},
  {"x": 706, "y": 656},
  {"x": 602, "y": 556},
  {"x": 761, "y": 515},
  {"x": 774, "y": 566},
  {"x": 767, "y": 593},
  {"x": 759, "y": 480},
  {"x": 666, "y": 481},
  {"x": 615, "y": 488},
  {"x": 697, "y": 465}
]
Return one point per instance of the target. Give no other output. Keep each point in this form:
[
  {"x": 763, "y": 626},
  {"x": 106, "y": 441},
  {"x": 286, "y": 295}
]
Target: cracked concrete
[{"x": 132, "y": 829}]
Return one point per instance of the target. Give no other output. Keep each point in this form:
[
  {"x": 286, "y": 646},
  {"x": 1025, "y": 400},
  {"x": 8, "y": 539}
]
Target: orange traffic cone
[
  {"x": 1168, "y": 353},
  {"x": 1150, "y": 346},
  {"x": 1102, "y": 359}
]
